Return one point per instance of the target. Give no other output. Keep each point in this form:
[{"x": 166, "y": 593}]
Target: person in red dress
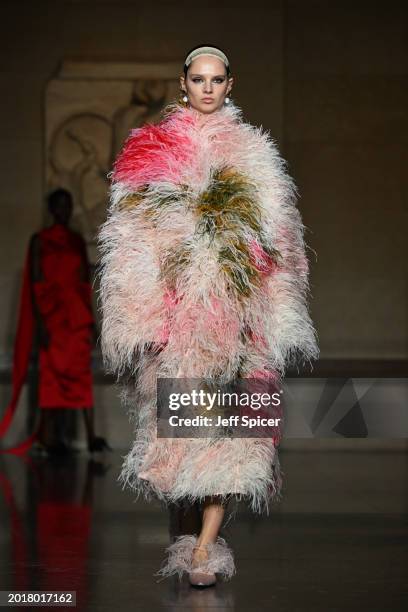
[{"x": 56, "y": 306}]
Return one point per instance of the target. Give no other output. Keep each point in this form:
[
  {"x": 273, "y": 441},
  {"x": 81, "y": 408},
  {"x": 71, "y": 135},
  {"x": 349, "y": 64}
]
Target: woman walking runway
[{"x": 203, "y": 276}]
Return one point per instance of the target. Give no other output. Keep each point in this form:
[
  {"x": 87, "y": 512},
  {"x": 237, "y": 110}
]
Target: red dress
[
  {"x": 60, "y": 293},
  {"x": 63, "y": 299}
]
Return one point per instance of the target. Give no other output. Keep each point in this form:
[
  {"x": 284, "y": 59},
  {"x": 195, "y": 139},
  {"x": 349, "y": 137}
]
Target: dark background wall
[{"x": 328, "y": 79}]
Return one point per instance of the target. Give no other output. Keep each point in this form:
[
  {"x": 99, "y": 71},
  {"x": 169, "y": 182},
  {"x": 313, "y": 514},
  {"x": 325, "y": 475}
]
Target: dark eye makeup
[{"x": 217, "y": 79}]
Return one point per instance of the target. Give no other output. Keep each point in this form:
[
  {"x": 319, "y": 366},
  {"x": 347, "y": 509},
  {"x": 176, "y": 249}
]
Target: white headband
[{"x": 206, "y": 51}]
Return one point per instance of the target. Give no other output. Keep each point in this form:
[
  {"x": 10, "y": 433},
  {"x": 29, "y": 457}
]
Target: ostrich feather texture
[
  {"x": 179, "y": 558},
  {"x": 203, "y": 274}
]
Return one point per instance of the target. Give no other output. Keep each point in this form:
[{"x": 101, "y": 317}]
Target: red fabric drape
[
  {"x": 63, "y": 300},
  {"x": 21, "y": 358}
]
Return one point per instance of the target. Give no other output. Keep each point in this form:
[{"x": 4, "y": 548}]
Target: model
[
  {"x": 203, "y": 275},
  {"x": 55, "y": 308}
]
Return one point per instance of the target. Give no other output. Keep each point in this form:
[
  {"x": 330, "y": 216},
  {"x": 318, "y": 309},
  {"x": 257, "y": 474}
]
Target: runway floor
[{"x": 336, "y": 542}]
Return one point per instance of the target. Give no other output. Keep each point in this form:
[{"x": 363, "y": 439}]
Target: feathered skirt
[{"x": 179, "y": 470}]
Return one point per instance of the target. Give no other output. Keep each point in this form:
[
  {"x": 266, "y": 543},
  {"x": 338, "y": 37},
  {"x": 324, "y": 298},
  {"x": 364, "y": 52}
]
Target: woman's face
[{"x": 206, "y": 83}]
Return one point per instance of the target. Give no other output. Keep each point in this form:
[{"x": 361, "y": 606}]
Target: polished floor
[{"x": 336, "y": 542}]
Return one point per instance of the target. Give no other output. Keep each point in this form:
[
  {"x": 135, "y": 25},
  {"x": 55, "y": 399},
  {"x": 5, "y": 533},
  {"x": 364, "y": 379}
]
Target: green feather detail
[
  {"x": 235, "y": 261},
  {"x": 228, "y": 211},
  {"x": 175, "y": 261},
  {"x": 228, "y": 203},
  {"x": 133, "y": 199}
]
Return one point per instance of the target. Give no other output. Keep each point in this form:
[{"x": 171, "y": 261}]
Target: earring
[
  {"x": 227, "y": 100},
  {"x": 183, "y": 99}
]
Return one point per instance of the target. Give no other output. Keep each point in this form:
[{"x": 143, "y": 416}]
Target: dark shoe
[
  {"x": 97, "y": 445},
  {"x": 59, "y": 449}
]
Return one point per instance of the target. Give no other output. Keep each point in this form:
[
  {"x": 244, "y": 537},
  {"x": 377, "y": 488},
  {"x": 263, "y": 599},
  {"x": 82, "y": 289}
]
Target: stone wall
[{"x": 328, "y": 79}]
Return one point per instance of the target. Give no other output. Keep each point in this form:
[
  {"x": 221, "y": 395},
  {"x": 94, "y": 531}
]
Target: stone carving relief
[{"x": 89, "y": 111}]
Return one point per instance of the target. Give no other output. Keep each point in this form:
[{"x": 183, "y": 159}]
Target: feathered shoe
[
  {"x": 219, "y": 560},
  {"x": 199, "y": 574},
  {"x": 179, "y": 557}
]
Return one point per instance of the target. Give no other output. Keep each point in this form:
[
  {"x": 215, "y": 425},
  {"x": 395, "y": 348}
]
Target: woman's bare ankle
[{"x": 203, "y": 541}]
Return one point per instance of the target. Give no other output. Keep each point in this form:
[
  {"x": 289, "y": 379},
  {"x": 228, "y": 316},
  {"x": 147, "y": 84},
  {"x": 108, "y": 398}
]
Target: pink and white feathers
[
  {"x": 203, "y": 255},
  {"x": 170, "y": 166}
]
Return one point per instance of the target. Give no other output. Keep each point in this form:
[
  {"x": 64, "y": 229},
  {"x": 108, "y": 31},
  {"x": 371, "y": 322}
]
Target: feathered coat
[{"x": 203, "y": 273}]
